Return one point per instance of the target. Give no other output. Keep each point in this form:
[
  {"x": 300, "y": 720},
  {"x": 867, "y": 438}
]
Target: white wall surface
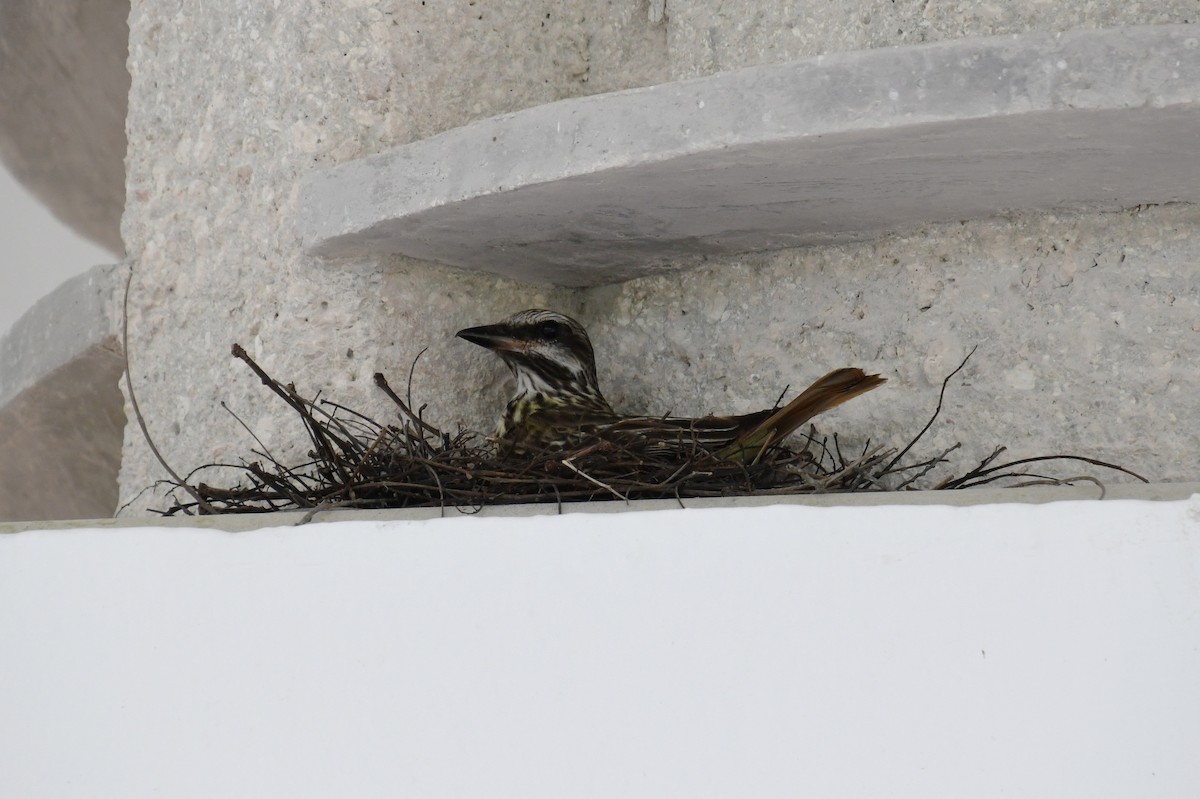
[
  {"x": 37, "y": 252},
  {"x": 1010, "y": 650}
]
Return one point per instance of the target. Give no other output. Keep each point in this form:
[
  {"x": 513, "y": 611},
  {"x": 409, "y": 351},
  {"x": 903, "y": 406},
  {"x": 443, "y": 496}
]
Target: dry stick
[
  {"x": 1014, "y": 475},
  {"x": 412, "y": 367},
  {"x": 382, "y": 382},
  {"x": 590, "y": 479},
  {"x": 137, "y": 411},
  {"x": 230, "y": 494},
  {"x": 266, "y": 453},
  {"x": 371, "y": 449},
  {"x": 312, "y": 512},
  {"x": 860, "y": 470},
  {"x": 238, "y": 352},
  {"x": 973, "y": 472},
  {"x": 1053, "y": 481},
  {"x": 925, "y": 467},
  {"x": 416, "y": 489},
  {"x": 837, "y": 447},
  {"x": 980, "y": 473},
  {"x": 811, "y": 437},
  {"x": 279, "y": 485},
  {"x": 441, "y": 491},
  {"x": 937, "y": 410},
  {"x": 328, "y": 437},
  {"x": 317, "y": 433},
  {"x": 346, "y": 440},
  {"x": 367, "y": 422},
  {"x": 682, "y": 467}
]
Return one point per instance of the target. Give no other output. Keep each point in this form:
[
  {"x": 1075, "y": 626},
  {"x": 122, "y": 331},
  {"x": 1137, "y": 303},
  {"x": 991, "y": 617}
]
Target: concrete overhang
[
  {"x": 836, "y": 148},
  {"x": 62, "y": 416}
]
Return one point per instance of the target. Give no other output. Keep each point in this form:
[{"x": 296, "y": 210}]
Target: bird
[{"x": 557, "y": 403}]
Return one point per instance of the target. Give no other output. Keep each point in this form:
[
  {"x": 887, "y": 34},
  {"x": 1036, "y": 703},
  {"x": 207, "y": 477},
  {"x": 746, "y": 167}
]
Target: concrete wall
[{"x": 1085, "y": 324}]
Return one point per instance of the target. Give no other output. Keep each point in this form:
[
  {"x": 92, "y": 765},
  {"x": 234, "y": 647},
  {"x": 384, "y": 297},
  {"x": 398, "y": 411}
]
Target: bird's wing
[{"x": 680, "y": 433}]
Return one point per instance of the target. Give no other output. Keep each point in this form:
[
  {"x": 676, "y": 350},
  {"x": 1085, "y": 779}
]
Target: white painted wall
[
  {"x": 1004, "y": 650},
  {"x": 37, "y": 252}
]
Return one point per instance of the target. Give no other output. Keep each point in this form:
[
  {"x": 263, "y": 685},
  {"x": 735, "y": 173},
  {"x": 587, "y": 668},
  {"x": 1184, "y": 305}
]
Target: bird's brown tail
[{"x": 830, "y": 391}]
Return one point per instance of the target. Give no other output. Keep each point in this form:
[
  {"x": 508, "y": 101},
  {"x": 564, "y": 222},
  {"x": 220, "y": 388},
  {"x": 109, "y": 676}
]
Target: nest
[{"x": 357, "y": 462}]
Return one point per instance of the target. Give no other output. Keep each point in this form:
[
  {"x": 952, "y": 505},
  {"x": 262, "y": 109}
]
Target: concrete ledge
[
  {"x": 1008, "y": 650},
  {"x": 62, "y": 414},
  {"x": 1034, "y": 495},
  {"x": 60, "y": 327},
  {"x": 611, "y": 187}
]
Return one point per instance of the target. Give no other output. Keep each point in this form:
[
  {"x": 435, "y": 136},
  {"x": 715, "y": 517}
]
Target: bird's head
[{"x": 549, "y": 353}]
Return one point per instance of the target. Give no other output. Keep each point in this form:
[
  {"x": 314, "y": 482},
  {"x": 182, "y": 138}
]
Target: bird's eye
[{"x": 549, "y": 330}]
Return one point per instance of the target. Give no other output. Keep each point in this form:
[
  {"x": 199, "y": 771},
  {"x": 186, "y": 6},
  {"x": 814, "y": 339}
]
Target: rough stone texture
[
  {"x": 63, "y": 88},
  {"x": 235, "y": 102},
  {"x": 707, "y": 36},
  {"x": 830, "y": 149},
  {"x": 61, "y": 413}
]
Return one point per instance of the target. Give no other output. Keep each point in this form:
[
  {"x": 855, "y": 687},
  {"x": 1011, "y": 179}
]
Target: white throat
[{"x": 530, "y": 383}]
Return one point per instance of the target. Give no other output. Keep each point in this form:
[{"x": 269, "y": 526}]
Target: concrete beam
[
  {"x": 62, "y": 415},
  {"x": 64, "y": 87},
  {"x": 611, "y": 187}
]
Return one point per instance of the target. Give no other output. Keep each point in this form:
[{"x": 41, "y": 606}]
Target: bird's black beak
[{"x": 494, "y": 337}]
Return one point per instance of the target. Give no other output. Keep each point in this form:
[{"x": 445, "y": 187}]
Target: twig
[
  {"x": 936, "y": 411},
  {"x": 137, "y": 411},
  {"x": 567, "y": 462},
  {"x": 382, "y": 382}
]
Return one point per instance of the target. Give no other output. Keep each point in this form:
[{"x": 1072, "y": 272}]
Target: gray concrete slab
[
  {"x": 60, "y": 327},
  {"x": 606, "y": 188},
  {"x": 61, "y": 440},
  {"x": 61, "y": 411},
  {"x": 64, "y": 89}
]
